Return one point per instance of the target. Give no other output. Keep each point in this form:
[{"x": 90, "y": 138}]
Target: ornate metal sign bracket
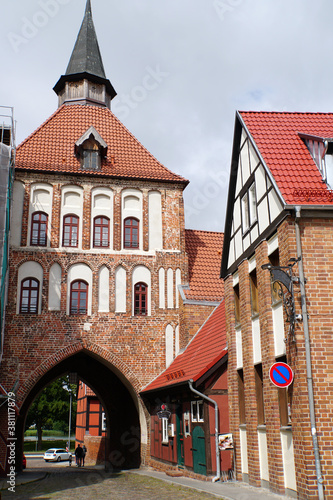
[{"x": 282, "y": 280}]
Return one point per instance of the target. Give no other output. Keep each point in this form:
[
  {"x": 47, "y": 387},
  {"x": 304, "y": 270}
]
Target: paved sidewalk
[{"x": 232, "y": 490}]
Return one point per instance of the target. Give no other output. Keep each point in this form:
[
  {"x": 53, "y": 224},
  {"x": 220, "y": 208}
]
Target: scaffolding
[{"x": 7, "y": 163}]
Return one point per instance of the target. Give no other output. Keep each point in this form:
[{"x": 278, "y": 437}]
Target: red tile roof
[
  {"x": 276, "y": 135},
  {"x": 204, "y": 250},
  {"x": 51, "y": 147},
  {"x": 207, "y": 347}
]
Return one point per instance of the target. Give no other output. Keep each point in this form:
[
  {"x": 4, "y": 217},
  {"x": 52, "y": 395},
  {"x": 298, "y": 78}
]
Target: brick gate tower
[{"x": 97, "y": 254}]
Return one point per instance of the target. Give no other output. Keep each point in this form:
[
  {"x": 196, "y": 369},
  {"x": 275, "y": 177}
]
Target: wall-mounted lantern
[{"x": 282, "y": 280}]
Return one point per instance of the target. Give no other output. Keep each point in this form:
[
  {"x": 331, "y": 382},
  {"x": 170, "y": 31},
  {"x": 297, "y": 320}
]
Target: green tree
[{"x": 52, "y": 405}]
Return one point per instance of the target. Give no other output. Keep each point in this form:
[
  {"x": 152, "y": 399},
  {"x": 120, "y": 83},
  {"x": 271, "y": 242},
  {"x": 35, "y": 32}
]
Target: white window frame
[
  {"x": 165, "y": 431},
  {"x": 196, "y": 411},
  {"x": 252, "y": 204},
  {"x": 249, "y": 208}
]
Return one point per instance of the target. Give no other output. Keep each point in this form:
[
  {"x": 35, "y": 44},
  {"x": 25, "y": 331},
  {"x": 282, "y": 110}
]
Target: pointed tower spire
[{"x": 85, "y": 79}]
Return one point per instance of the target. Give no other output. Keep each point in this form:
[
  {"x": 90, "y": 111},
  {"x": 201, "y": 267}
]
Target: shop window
[
  {"x": 101, "y": 232},
  {"x": 197, "y": 411},
  {"x": 38, "y": 229},
  {"x": 79, "y": 297},
  {"x": 140, "y": 299},
  {"x": 29, "y": 296},
  {"x": 70, "y": 231},
  {"x": 131, "y": 233},
  {"x": 259, "y": 384}
]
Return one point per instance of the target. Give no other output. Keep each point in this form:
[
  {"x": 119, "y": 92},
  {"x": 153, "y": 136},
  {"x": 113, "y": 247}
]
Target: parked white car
[{"x": 56, "y": 455}]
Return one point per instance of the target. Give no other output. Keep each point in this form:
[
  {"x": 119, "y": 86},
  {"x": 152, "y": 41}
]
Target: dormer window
[
  {"x": 91, "y": 149},
  {"x": 321, "y": 150}
]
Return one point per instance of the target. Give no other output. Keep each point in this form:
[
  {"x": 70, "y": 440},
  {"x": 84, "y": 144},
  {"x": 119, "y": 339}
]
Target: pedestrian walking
[
  {"x": 84, "y": 452},
  {"x": 78, "y": 455}
]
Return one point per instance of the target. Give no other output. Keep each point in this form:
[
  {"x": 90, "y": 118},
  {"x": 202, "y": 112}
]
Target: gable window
[
  {"x": 131, "y": 233},
  {"x": 79, "y": 297},
  {"x": 90, "y": 159},
  {"x": 249, "y": 208},
  {"x": 140, "y": 299},
  {"x": 101, "y": 232},
  {"x": 90, "y": 148},
  {"x": 197, "y": 411},
  {"x": 70, "y": 231},
  {"x": 29, "y": 296},
  {"x": 38, "y": 229}
]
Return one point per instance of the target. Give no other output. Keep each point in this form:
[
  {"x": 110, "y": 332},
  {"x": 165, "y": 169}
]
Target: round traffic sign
[{"x": 281, "y": 374}]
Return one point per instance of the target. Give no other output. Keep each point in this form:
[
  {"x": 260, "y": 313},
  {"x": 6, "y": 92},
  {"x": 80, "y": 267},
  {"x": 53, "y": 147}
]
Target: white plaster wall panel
[
  {"x": 155, "y": 220},
  {"x": 141, "y": 274},
  {"x": 120, "y": 297},
  {"x": 168, "y": 345},
  {"x": 102, "y": 206},
  {"x": 275, "y": 206},
  {"x": 239, "y": 184},
  {"x": 263, "y": 215},
  {"x": 245, "y": 162},
  {"x": 252, "y": 264},
  {"x": 177, "y": 346},
  {"x": 237, "y": 220},
  {"x": 260, "y": 180},
  {"x": 30, "y": 269},
  {"x": 278, "y": 330},
  {"x": 254, "y": 233},
  {"x": 254, "y": 160},
  {"x": 256, "y": 340},
  {"x": 170, "y": 301},
  {"x": 243, "y": 446},
  {"x": 41, "y": 201},
  {"x": 263, "y": 456},
  {"x": 238, "y": 244},
  {"x": 243, "y": 137},
  {"x": 17, "y": 213},
  {"x": 55, "y": 288},
  {"x": 178, "y": 282},
  {"x": 72, "y": 203},
  {"x": 103, "y": 289},
  {"x": 246, "y": 241},
  {"x": 235, "y": 279},
  {"x": 132, "y": 207},
  {"x": 79, "y": 272},
  {"x": 231, "y": 256},
  {"x": 272, "y": 244},
  {"x": 239, "y": 350},
  {"x": 288, "y": 459},
  {"x": 161, "y": 288}
]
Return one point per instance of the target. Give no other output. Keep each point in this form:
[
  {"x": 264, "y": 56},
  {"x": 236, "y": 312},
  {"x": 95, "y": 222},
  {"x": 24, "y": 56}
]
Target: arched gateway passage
[{"x": 122, "y": 406}]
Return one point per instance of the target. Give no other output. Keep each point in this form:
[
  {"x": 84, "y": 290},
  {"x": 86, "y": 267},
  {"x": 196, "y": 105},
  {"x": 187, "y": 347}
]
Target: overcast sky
[{"x": 181, "y": 69}]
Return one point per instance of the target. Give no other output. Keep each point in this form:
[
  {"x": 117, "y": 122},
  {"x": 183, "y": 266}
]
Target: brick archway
[{"x": 115, "y": 385}]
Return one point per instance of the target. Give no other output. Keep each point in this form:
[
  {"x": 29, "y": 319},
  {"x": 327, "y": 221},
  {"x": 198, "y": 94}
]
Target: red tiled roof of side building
[
  {"x": 276, "y": 135},
  {"x": 50, "y": 148},
  {"x": 204, "y": 250},
  {"x": 207, "y": 347}
]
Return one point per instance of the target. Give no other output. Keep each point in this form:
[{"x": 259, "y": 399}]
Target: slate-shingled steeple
[{"x": 85, "y": 80}]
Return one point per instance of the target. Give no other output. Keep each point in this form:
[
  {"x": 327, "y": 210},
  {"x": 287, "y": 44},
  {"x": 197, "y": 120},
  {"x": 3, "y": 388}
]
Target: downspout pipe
[
  {"x": 217, "y": 451},
  {"x": 320, "y": 479}
]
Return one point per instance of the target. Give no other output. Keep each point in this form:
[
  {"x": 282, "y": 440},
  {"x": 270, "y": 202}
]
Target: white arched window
[
  {"x": 79, "y": 288},
  {"x": 103, "y": 289},
  {"x": 101, "y": 218},
  {"x": 29, "y": 288},
  {"x": 40, "y": 214},
  {"x": 131, "y": 225},
  {"x": 55, "y": 287},
  {"x": 161, "y": 287},
  {"x": 71, "y": 216},
  {"x": 120, "y": 299},
  {"x": 155, "y": 220},
  {"x": 170, "y": 303},
  {"x": 141, "y": 291}
]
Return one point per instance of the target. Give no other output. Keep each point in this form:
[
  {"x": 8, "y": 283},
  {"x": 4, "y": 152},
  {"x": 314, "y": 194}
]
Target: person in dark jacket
[
  {"x": 78, "y": 455},
  {"x": 84, "y": 452}
]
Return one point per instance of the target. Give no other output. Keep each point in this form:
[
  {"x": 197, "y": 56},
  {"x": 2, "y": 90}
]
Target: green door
[
  {"x": 199, "y": 450},
  {"x": 180, "y": 437}
]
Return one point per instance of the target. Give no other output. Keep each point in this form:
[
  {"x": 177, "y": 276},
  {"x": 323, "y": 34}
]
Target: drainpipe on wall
[
  {"x": 308, "y": 357},
  {"x": 217, "y": 451}
]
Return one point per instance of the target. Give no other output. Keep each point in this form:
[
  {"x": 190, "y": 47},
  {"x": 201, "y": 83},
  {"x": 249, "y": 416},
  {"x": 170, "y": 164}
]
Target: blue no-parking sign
[{"x": 281, "y": 374}]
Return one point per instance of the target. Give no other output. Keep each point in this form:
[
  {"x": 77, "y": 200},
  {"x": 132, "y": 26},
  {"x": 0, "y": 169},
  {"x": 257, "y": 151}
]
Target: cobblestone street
[{"x": 64, "y": 484}]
